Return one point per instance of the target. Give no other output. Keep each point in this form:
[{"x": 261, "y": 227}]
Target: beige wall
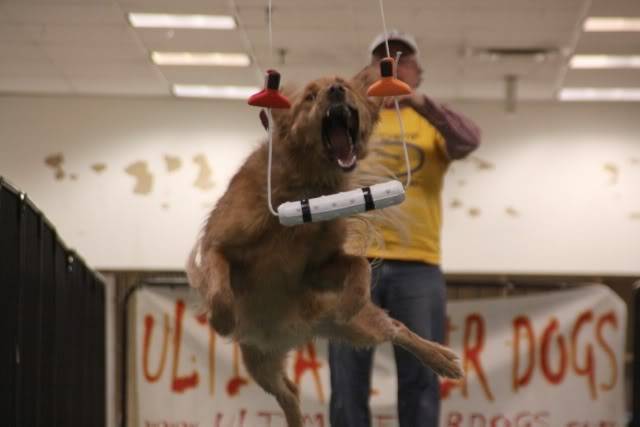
[{"x": 554, "y": 189}]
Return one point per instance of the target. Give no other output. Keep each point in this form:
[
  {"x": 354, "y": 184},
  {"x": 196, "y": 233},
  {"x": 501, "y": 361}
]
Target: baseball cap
[{"x": 394, "y": 35}]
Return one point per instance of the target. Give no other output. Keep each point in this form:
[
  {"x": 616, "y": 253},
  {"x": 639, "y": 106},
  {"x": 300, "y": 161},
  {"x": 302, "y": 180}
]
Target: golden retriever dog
[{"x": 273, "y": 288}]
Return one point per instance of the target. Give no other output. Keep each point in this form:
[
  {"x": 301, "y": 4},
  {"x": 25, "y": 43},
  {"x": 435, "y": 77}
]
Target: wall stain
[
  {"x": 55, "y": 161},
  {"x": 462, "y": 182},
  {"x": 512, "y": 212},
  {"x": 635, "y": 161},
  {"x": 613, "y": 171},
  {"x": 173, "y": 162},
  {"x": 635, "y": 216},
  {"x": 165, "y": 206},
  {"x": 73, "y": 177},
  {"x": 474, "y": 212},
  {"x": 203, "y": 181},
  {"x": 455, "y": 203},
  {"x": 481, "y": 163},
  {"x": 144, "y": 179},
  {"x": 99, "y": 167}
]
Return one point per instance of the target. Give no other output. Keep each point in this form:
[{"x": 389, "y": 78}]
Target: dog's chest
[{"x": 280, "y": 259}]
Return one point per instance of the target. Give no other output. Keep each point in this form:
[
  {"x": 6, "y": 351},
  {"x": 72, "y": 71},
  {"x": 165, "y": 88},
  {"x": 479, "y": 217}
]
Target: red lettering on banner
[
  {"x": 553, "y": 377},
  {"x": 202, "y": 320},
  {"x": 500, "y": 421},
  {"x": 381, "y": 420},
  {"x": 148, "y": 329},
  {"x": 592, "y": 424},
  {"x": 170, "y": 424},
  {"x": 541, "y": 419},
  {"x": 520, "y": 419},
  {"x": 477, "y": 420},
  {"x": 611, "y": 318},
  {"x": 577, "y": 358},
  {"x": 522, "y": 324},
  {"x": 307, "y": 420},
  {"x": 472, "y": 346},
  {"x": 237, "y": 381},
  {"x": 180, "y": 383},
  {"x": 454, "y": 419},
  {"x": 268, "y": 415},
  {"x": 471, "y": 354},
  {"x": 311, "y": 363},
  {"x": 240, "y": 420},
  {"x": 588, "y": 368}
]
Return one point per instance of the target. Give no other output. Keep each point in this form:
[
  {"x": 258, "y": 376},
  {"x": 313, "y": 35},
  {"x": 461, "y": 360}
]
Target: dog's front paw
[{"x": 222, "y": 318}]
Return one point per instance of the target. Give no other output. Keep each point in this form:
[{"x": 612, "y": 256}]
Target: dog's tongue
[{"x": 342, "y": 147}]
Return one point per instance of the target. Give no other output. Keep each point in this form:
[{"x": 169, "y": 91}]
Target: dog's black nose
[{"x": 336, "y": 92}]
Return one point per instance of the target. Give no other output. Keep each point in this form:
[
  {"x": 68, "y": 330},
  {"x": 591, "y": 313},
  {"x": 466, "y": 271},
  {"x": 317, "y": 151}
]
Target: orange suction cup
[
  {"x": 388, "y": 85},
  {"x": 269, "y": 97}
]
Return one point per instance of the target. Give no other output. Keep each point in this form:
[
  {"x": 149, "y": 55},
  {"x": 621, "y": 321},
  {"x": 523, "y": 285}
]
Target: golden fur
[{"x": 273, "y": 288}]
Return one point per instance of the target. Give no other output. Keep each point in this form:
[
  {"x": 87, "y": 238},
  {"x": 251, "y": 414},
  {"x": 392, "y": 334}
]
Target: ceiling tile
[
  {"x": 212, "y": 75},
  {"x": 91, "y": 43},
  {"x": 615, "y": 8},
  {"x": 40, "y": 68},
  {"x": 66, "y": 13},
  {"x": 603, "y": 78},
  {"x": 10, "y": 51},
  {"x": 191, "y": 40},
  {"x": 90, "y": 35},
  {"x": 62, "y": 53},
  {"x": 124, "y": 86},
  {"x": 17, "y": 84},
  {"x": 109, "y": 70},
  {"x": 610, "y": 43},
  {"x": 211, "y": 7}
]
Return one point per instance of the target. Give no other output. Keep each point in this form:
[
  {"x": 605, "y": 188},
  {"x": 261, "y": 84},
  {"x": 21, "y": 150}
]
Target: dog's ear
[
  {"x": 361, "y": 82},
  {"x": 289, "y": 90},
  {"x": 281, "y": 116},
  {"x": 365, "y": 78}
]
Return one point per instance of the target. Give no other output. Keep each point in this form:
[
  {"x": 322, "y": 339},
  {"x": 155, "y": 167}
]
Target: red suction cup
[
  {"x": 388, "y": 85},
  {"x": 269, "y": 97}
]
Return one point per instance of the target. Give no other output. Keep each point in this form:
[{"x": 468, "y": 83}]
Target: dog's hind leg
[
  {"x": 218, "y": 294},
  {"x": 267, "y": 369},
  {"x": 351, "y": 274},
  {"x": 372, "y": 326}
]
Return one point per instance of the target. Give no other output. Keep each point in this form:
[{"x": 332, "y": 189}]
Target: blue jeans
[{"x": 415, "y": 294}]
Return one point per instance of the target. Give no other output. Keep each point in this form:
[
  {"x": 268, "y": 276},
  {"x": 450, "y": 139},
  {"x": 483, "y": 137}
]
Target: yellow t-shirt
[{"x": 422, "y": 209}]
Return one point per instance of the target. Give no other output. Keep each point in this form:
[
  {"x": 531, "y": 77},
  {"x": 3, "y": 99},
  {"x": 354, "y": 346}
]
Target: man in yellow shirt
[{"x": 408, "y": 282}]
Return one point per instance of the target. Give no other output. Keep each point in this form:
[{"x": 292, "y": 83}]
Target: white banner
[{"x": 553, "y": 359}]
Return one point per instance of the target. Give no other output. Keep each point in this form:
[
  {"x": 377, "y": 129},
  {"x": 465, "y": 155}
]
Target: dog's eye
[{"x": 310, "y": 96}]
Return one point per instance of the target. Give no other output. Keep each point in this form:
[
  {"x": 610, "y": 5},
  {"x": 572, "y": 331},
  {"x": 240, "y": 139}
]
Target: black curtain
[{"x": 52, "y": 324}]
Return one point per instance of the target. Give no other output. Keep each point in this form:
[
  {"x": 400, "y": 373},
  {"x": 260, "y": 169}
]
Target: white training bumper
[{"x": 325, "y": 208}]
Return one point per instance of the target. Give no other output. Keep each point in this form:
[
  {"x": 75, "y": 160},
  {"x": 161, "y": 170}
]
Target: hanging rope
[
  {"x": 395, "y": 98},
  {"x": 270, "y": 118}
]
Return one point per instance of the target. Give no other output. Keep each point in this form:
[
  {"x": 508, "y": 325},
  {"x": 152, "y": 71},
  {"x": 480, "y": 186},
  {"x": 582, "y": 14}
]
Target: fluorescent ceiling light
[
  {"x": 161, "y": 20},
  {"x": 201, "y": 58},
  {"x": 226, "y": 92},
  {"x": 612, "y": 24},
  {"x": 605, "y": 61},
  {"x": 600, "y": 94}
]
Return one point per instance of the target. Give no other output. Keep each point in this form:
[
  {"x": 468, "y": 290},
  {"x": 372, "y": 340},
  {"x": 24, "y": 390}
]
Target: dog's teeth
[{"x": 347, "y": 163}]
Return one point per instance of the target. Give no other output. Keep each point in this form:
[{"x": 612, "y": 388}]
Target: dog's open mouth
[{"x": 339, "y": 133}]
